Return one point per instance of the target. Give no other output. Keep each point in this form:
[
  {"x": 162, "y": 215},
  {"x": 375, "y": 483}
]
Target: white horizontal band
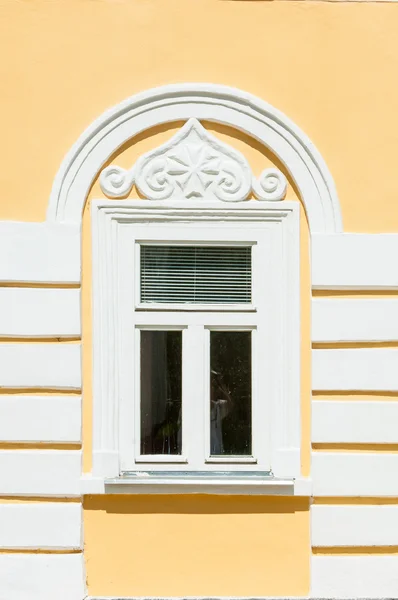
[
  {"x": 41, "y": 525},
  {"x": 354, "y": 576},
  {"x": 354, "y": 261},
  {"x": 36, "y": 312},
  {"x": 354, "y": 525},
  {"x": 54, "y": 419},
  {"x": 39, "y": 252},
  {"x": 40, "y": 473},
  {"x": 355, "y": 474},
  {"x": 354, "y": 320},
  {"x": 47, "y": 365},
  {"x": 42, "y": 576},
  {"x": 365, "y": 369},
  {"x": 354, "y": 422}
]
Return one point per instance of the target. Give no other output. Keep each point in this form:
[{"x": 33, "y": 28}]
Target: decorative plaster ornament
[{"x": 193, "y": 164}]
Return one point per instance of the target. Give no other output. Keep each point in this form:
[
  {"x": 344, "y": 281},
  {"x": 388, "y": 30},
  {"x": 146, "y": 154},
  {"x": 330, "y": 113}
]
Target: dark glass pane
[
  {"x": 230, "y": 393},
  {"x": 161, "y": 378}
]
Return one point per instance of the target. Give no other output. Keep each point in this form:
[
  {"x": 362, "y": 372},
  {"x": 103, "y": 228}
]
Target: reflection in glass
[
  {"x": 230, "y": 393},
  {"x": 161, "y": 378}
]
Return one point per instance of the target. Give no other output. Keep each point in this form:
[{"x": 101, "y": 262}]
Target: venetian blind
[{"x": 196, "y": 274}]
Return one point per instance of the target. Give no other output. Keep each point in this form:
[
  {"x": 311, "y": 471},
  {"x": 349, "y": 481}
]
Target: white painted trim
[
  {"x": 204, "y": 102},
  {"x": 354, "y": 577},
  {"x": 36, "y": 312},
  {"x": 117, "y": 182},
  {"x": 39, "y": 252},
  {"x": 354, "y": 320},
  {"x": 354, "y": 261},
  {"x": 98, "y": 485},
  {"x": 113, "y": 295},
  {"x": 354, "y": 474},
  {"x": 44, "y": 525},
  {"x": 42, "y": 576},
  {"x": 47, "y": 365},
  {"x": 40, "y": 418},
  {"x": 355, "y": 369},
  {"x": 40, "y": 473},
  {"x": 354, "y": 525},
  {"x": 355, "y": 422}
]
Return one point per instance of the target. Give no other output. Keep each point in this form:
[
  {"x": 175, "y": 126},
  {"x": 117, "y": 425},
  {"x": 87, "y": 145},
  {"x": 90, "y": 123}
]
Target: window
[
  {"x": 194, "y": 364},
  {"x": 196, "y": 322},
  {"x": 196, "y": 343}
]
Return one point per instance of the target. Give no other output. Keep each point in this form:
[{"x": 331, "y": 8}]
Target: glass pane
[
  {"x": 161, "y": 379},
  {"x": 196, "y": 274},
  {"x": 230, "y": 393}
]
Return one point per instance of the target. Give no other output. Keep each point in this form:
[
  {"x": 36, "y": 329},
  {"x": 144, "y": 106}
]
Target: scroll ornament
[{"x": 193, "y": 165}]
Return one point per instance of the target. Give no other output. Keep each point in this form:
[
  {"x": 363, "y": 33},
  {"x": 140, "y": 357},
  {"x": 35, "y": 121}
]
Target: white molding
[
  {"x": 40, "y": 473},
  {"x": 36, "y": 312},
  {"x": 209, "y": 102},
  {"x": 46, "y": 365},
  {"x": 354, "y": 525},
  {"x": 193, "y": 164},
  {"x": 41, "y": 525},
  {"x": 365, "y": 369},
  {"x": 354, "y": 320},
  {"x": 301, "y": 487},
  {"x": 354, "y": 474},
  {"x": 351, "y": 577},
  {"x": 354, "y": 261},
  {"x": 39, "y": 252},
  {"x": 188, "y": 485},
  {"x": 354, "y": 422},
  {"x": 19, "y": 421},
  {"x": 111, "y": 221},
  {"x": 42, "y": 576}
]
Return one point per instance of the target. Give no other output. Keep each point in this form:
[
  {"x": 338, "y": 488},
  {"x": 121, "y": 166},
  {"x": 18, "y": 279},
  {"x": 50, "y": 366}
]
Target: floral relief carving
[{"x": 193, "y": 165}]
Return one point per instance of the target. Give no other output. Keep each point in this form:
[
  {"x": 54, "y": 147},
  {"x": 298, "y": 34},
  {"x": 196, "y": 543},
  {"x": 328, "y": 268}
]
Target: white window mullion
[{"x": 193, "y": 395}]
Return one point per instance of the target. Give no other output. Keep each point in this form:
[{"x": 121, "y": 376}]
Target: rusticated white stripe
[
  {"x": 40, "y": 473},
  {"x": 42, "y": 577},
  {"x": 354, "y": 576},
  {"x": 40, "y": 418},
  {"x": 354, "y": 261},
  {"x": 355, "y": 422},
  {"x": 39, "y": 252},
  {"x": 42, "y": 525},
  {"x": 355, "y": 474},
  {"x": 354, "y": 525},
  {"x": 351, "y": 369},
  {"x": 28, "y": 312},
  {"x": 47, "y": 365},
  {"x": 354, "y": 320}
]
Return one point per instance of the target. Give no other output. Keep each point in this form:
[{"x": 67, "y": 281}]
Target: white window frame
[{"x": 116, "y": 227}]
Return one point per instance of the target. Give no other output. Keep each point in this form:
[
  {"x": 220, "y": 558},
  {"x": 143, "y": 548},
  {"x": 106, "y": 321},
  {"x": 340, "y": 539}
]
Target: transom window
[{"x": 196, "y": 274}]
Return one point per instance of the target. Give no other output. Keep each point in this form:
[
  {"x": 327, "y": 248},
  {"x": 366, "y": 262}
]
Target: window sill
[{"x": 196, "y": 484}]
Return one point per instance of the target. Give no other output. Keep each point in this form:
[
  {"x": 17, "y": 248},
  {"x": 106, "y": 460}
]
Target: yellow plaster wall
[
  {"x": 197, "y": 546},
  {"x": 332, "y": 69}
]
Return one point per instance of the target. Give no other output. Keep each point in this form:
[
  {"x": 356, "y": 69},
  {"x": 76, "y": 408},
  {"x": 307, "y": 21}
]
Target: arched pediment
[{"x": 209, "y": 102}]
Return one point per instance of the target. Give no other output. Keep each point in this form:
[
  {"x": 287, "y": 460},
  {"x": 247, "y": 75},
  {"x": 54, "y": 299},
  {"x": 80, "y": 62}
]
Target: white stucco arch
[{"x": 210, "y": 102}]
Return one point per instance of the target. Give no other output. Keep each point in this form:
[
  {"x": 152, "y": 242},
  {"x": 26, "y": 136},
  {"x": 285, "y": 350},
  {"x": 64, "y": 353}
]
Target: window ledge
[{"x": 146, "y": 483}]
